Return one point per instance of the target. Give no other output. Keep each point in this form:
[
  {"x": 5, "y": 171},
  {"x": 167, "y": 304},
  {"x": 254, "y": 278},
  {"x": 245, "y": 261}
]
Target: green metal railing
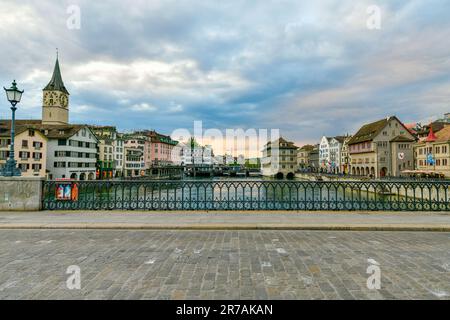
[{"x": 252, "y": 195}]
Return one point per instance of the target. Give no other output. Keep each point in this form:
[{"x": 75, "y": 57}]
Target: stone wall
[{"x": 20, "y": 194}]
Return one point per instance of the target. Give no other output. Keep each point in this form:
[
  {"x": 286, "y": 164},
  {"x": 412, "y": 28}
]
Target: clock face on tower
[
  {"x": 46, "y": 98},
  {"x": 55, "y": 99},
  {"x": 63, "y": 100}
]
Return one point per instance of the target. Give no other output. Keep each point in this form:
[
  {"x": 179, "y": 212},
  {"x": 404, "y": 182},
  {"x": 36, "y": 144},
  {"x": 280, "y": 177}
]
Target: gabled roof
[
  {"x": 341, "y": 139},
  {"x": 280, "y": 141},
  {"x": 50, "y": 131},
  {"x": 369, "y": 131},
  {"x": 56, "y": 83},
  {"x": 307, "y": 147},
  {"x": 402, "y": 139}
]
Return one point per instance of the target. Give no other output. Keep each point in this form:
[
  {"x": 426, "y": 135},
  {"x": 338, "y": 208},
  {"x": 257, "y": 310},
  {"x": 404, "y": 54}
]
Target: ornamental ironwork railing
[{"x": 247, "y": 195}]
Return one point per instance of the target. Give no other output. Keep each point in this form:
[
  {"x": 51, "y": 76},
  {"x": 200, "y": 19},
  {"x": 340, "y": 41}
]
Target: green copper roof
[{"x": 56, "y": 83}]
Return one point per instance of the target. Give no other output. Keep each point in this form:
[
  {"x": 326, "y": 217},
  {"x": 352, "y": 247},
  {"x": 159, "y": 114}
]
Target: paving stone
[{"x": 223, "y": 264}]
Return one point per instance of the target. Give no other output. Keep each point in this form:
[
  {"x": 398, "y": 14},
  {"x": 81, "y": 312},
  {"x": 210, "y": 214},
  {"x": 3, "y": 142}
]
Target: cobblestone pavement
[{"x": 223, "y": 264}]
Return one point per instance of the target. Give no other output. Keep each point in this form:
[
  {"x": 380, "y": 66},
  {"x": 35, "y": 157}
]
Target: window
[
  {"x": 24, "y": 155},
  {"x": 62, "y": 142},
  {"x": 24, "y": 167},
  {"x": 59, "y": 165},
  {"x": 24, "y": 143},
  {"x": 31, "y": 133},
  {"x": 4, "y": 142},
  {"x": 37, "y": 155}
]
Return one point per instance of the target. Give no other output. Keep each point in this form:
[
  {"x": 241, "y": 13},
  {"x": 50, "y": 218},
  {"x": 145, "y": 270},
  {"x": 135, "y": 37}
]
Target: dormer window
[{"x": 61, "y": 132}]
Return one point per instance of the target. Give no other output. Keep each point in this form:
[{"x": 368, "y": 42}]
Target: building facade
[
  {"x": 136, "y": 155},
  {"x": 162, "y": 149},
  {"x": 191, "y": 153},
  {"x": 324, "y": 154},
  {"x": 330, "y": 154},
  {"x": 345, "y": 156},
  {"x": 30, "y": 148},
  {"x": 105, "y": 160},
  {"x": 303, "y": 157},
  {"x": 432, "y": 155},
  {"x": 119, "y": 155},
  {"x": 314, "y": 158},
  {"x": 71, "y": 152},
  {"x": 382, "y": 148},
  {"x": 279, "y": 159}
]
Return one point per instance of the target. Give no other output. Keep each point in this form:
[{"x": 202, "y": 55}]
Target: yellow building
[
  {"x": 30, "y": 149},
  {"x": 432, "y": 154},
  {"x": 382, "y": 148}
]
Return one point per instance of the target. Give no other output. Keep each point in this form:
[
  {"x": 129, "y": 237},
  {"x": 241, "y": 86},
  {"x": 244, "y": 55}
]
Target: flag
[{"x": 430, "y": 159}]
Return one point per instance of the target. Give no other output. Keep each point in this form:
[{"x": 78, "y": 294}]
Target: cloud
[
  {"x": 306, "y": 68},
  {"x": 144, "y": 107}
]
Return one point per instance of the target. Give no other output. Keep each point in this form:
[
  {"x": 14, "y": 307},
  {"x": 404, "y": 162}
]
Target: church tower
[{"x": 55, "y": 108}]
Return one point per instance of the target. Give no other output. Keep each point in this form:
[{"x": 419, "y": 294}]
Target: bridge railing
[{"x": 250, "y": 195}]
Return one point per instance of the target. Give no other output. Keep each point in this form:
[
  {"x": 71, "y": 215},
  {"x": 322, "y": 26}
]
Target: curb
[{"x": 225, "y": 227}]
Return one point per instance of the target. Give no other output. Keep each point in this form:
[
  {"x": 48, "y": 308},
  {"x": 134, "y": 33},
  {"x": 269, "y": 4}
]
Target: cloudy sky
[{"x": 308, "y": 68}]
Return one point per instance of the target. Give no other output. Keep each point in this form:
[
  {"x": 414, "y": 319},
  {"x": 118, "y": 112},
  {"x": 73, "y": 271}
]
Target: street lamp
[{"x": 13, "y": 95}]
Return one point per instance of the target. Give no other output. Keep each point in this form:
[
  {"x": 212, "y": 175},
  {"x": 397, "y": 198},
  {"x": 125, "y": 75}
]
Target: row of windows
[
  {"x": 428, "y": 150},
  {"x": 361, "y": 146},
  {"x": 73, "y": 154},
  {"x": 26, "y": 166},
  {"x": 36, "y": 144},
  {"x": 288, "y": 159},
  {"x": 74, "y": 165},
  {"x": 439, "y": 163},
  {"x": 24, "y": 155},
  {"x": 78, "y": 144},
  {"x": 404, "y": 146}
]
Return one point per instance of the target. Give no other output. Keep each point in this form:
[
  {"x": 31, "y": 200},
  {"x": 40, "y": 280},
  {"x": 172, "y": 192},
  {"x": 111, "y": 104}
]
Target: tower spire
[{"x": 56, "y": 83}]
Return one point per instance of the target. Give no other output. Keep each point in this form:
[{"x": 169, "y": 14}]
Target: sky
[{"x": 307, "y": 68}]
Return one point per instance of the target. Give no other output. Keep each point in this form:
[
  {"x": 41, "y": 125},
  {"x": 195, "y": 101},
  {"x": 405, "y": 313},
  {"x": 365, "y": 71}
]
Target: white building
[
  {"x": 119, "y": 155},
  {"x": 194, "y": 154},
  {"x": 71, "y": 152},
  {"x": 219, "y": 160},
  {"x": 229, "y": 159},
  {"x": 330, "y": 154},
  {"x": 324, "y": 154},
  {"x": 241, "y": 159}
]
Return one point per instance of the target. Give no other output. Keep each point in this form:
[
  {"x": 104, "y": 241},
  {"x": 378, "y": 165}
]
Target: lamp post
[{"x": 13, "y": 95}]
